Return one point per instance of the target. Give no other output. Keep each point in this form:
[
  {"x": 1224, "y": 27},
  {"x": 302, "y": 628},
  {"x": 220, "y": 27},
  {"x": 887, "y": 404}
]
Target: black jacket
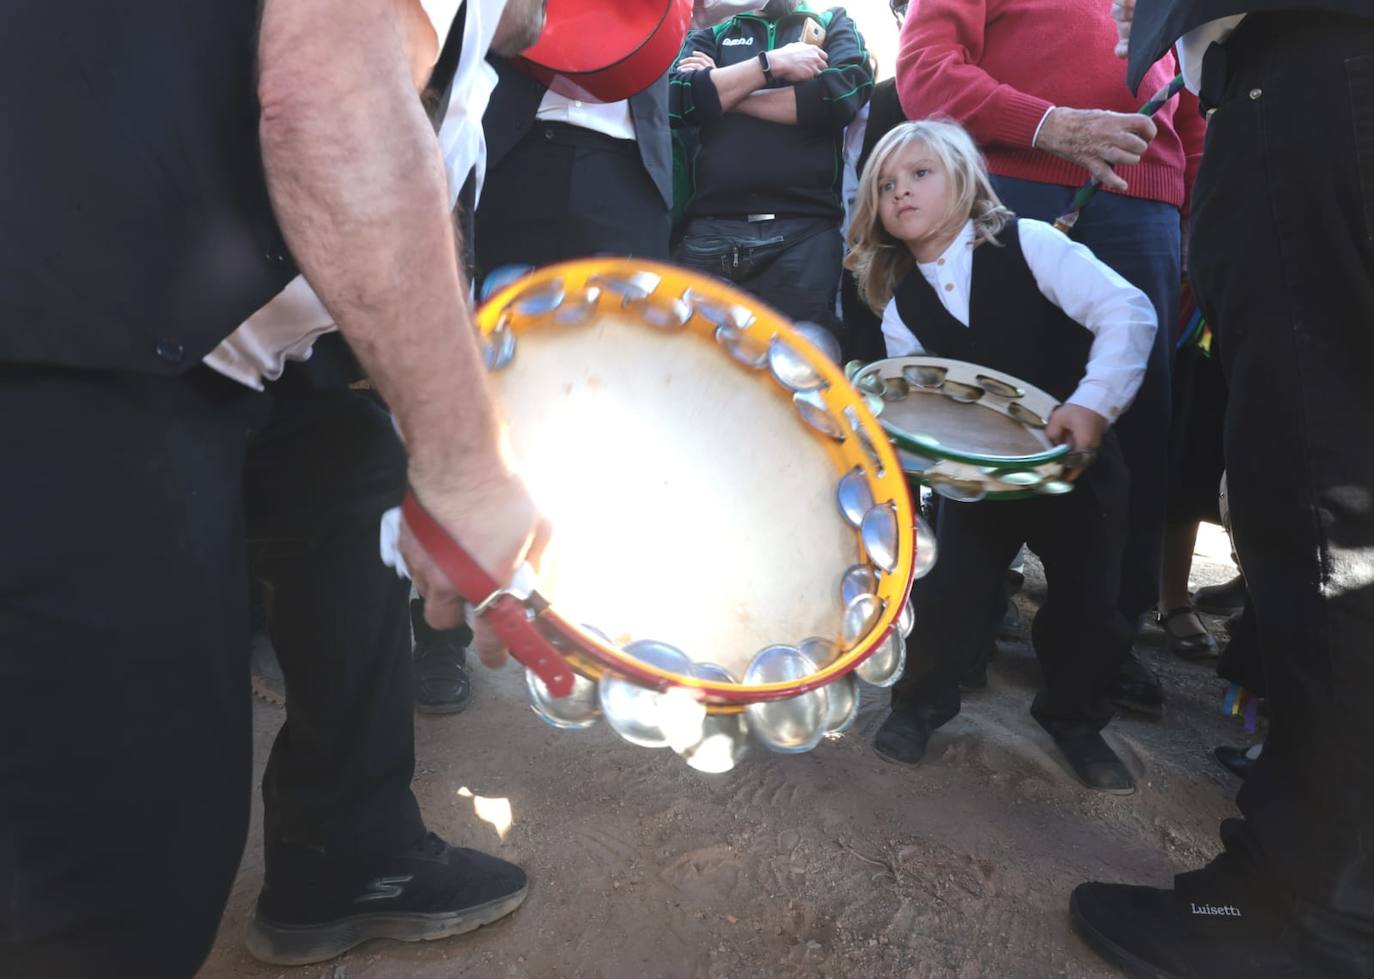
[
  {"x": 751, "y": 166},
  {"x": 510, "y": 114},
  {"x": 1159, "y": 23},
  {"x": 136, "y": 231}
]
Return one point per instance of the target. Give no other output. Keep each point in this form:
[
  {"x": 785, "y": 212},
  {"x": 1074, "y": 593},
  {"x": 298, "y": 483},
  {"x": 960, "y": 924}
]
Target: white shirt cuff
[
  {"x": 1035, "y": 139},
  {"x": 1098, "y": 397}
]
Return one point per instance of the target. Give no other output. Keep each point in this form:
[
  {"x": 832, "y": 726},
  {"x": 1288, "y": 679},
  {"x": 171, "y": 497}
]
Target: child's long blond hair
[{"x": 878, "y": 260}]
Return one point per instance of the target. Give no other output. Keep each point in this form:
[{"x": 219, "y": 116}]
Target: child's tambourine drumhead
[
  {"x": 968, "y": 432},
  {"x": 731, "y": 527}
]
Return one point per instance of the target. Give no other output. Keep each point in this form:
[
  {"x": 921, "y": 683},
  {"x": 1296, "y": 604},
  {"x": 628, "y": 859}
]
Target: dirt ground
[{"x": 832, "y": 863}]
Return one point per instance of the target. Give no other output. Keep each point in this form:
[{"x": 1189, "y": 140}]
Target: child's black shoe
[{"x": 903, "y": 737}]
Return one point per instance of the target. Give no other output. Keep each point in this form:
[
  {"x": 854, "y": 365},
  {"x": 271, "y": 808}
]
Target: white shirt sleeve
[
  {"x": 1120, "y": 317},
  {"x": 901, "y": 342}
]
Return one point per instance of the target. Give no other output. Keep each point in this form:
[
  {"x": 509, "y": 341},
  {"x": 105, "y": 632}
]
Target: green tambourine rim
[{"x": 909, "y": 441}]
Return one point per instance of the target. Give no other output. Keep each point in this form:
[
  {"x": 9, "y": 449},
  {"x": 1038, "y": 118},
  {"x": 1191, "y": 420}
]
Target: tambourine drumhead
[
  {"x": 692, "y": 502},
  {"x": 968, "y": 431}
]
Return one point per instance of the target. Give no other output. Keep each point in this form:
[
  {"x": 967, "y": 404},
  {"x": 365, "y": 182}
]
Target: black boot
[
  {"x": 903, "y": 737},
  {"x": 442, "y": 685},
  {"x": 1095, "y": 763},
  {"x": 1136, "y": 688}
]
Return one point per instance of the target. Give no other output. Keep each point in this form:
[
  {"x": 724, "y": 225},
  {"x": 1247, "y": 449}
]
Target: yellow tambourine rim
[{"x": 876, "y": 458}]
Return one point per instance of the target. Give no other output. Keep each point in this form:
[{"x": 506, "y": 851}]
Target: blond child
[{"x": 955, "y": 274}]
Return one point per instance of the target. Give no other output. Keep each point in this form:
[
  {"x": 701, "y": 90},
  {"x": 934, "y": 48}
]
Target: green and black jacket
[{"x": 750, "y": 166}]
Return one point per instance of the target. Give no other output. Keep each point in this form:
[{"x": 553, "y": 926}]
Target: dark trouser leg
[
  {"x": 1140, "y": 240},
  {"x": 1284, "y": 266},
  {"x": 318, "y": 479},
  {"x": 125, "y": 738},
  {"x": 1078, "y": 629},
  {"x": 976, "y": 542},
  {"x": 564, "y": 193},
  {"x": 804, "y": 280}
]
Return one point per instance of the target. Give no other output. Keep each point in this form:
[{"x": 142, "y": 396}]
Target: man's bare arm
[{"x": 359, "y": 187}]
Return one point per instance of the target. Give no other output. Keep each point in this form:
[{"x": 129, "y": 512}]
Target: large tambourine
[
  {"x": 605, "y": 52},
  {"x": 733, "y": 535},
  {"x": 968, "y": 432}
]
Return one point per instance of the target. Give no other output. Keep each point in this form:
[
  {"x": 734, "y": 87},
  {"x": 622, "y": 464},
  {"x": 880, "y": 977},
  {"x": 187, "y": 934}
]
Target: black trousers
[
  {"x": 126, "y": 502},
  {"x": 1076, "y": 634},
  {"x": 800, "y": 278},
  {"x": 1283, "y": 264},
  {"x": 565, "y": 192}
]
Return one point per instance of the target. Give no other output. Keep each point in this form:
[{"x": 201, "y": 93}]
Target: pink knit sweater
[{"x": 997, "y": 66}]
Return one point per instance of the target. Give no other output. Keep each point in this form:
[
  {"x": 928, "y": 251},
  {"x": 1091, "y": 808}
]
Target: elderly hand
[
  {"x": 797, "y": 62},
  {"x": 1123, "y": 12},
  {"x": 495, "y": 521},
  {"x": 1097, "y": 139},
  {"x": 696, "y": 61}
]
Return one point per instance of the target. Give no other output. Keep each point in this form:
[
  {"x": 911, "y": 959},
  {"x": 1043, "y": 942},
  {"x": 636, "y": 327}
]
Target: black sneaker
[
  {"x": 440, "y": 669},
  {"x": 1221, "y": 922},
  {"x": 1136, "y": 688},
  {"x": 311, "y": 909}
]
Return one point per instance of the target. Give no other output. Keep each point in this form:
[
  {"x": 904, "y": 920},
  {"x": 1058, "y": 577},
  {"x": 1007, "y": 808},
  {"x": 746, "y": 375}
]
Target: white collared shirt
[
  {"x": 288, "y": 326},
  {"x": 611, "y": 118},
  {"x": 1120, "y": 317}
]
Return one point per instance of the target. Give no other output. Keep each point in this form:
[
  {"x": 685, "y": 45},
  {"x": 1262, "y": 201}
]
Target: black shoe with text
[{"x": 312, "y": 909}]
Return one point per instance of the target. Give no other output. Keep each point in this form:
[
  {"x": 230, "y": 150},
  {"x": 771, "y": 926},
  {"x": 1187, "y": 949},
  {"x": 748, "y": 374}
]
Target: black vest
[
  {"x": 1012, "y": 326},
  {"x": 136, "y": 231}
]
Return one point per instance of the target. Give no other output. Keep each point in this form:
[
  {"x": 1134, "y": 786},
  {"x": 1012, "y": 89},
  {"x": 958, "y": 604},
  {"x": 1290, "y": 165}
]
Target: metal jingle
[
  {"x": 884, "y": 667},
  {"x": 578, "y": 312},
  {"x": 669, "y": 315},
  {"x": 959, "y": 490},
  {"x": 870, "y": 383},
  {"x": 540, "y": 299},
  {"x": 927, "y": 377},
  {"x": 861, "y": 434},
  {"x": 926, "y": 549},
  {"x": 878, "y": 530},
  {"x": 999, "y": 387},
  {"x": 1055, "y": 487},
  {"x": 1077, "y": 459},
  {"x": 724, "y": 737},
  {"x": 1025, "y": 416},
  {"x": 913, "y": 463},
  {"x": 792, "y": 370},
  {"x": 906, "y": 619},
  {"x": 821, "y": 652},
  {"x": 575, "y": 712},
  {"x": 852, "y": 369},
  {"x": 738, "y": 317},
  {"x": 498, "y": 350},
  {"x": 843, "y": 697},
  {"x": 895, "y": 389},
  {"x": 1027, "y": 478},
  {"x": 638, "y": 713},
  {"x": 793, "y": 724},
  {"x": 857, "y": 580},
  {"x": 820, "y": 338},
  {"x": 817, "y": 415},
  {"x": 854, "y": 496},
  {"x": 631, "y": 287},
  {"x": 859, "y": 616},
  {"x": 964, "y": 394},
  {"x": 738, "y": 346},
  {"x": 875, "y": 404}
]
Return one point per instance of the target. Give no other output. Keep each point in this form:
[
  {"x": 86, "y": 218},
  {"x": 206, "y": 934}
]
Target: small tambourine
[
  {"x": 734, "y": 540},
  {"x": 968, "y": 432}
]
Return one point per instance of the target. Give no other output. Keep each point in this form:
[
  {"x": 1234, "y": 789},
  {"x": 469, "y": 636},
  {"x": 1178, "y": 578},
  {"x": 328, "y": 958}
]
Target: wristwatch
[{"x": 767, "y": 71}]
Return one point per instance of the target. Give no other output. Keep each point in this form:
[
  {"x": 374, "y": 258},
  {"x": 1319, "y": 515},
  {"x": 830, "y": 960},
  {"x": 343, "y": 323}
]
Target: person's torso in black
[
  {"x": 136, "y": 230},
  {"x": 752, "y": 166},
  {"x": 1012, "y": 327}
]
